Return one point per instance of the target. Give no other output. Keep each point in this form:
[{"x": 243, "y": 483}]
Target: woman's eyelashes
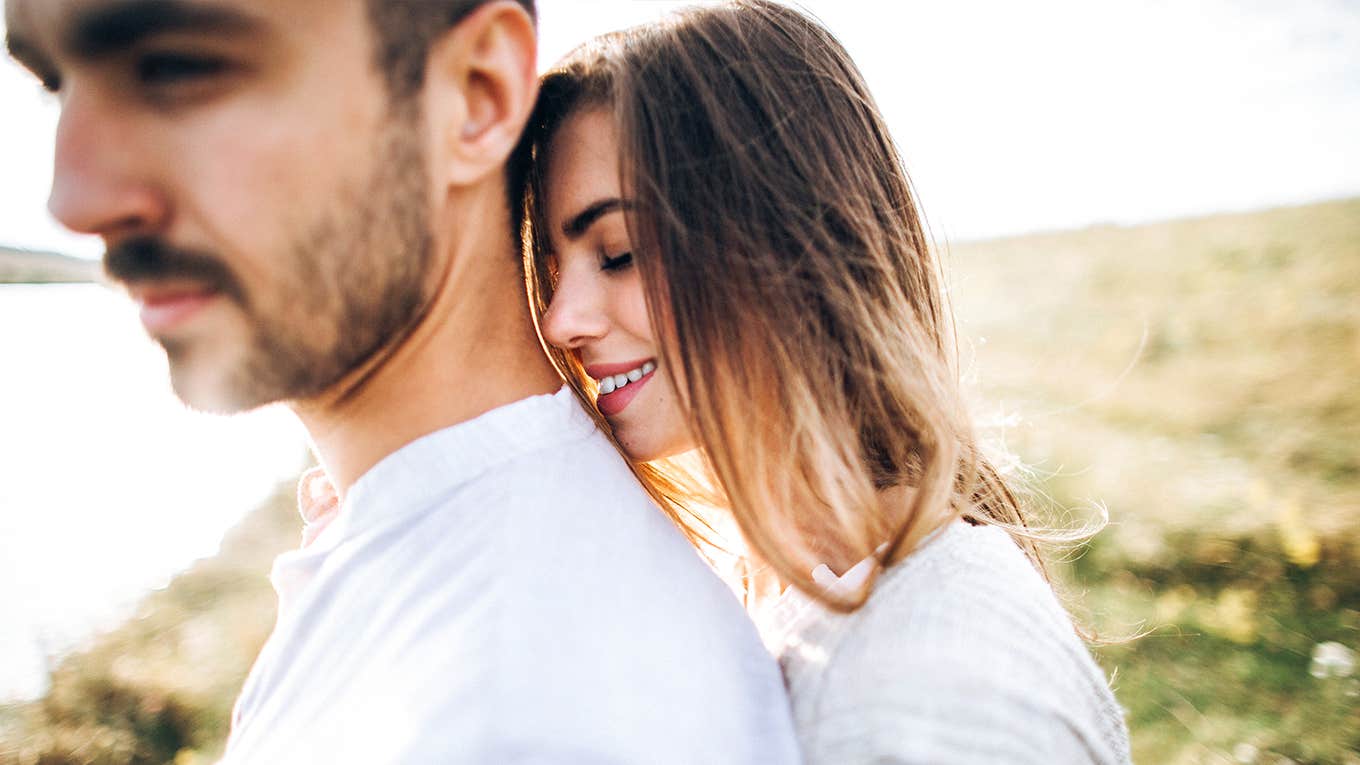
[{"x": 617, "y": 263}]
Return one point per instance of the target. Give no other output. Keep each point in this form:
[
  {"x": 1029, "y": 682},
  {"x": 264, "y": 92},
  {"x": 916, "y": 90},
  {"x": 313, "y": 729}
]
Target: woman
[{"x": 725, "y": 254}]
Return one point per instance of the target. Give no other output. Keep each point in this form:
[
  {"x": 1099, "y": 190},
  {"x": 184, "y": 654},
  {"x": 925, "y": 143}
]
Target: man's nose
[
  {"x": 574, "y": 316},
  {"x": 98, "y": 185}
]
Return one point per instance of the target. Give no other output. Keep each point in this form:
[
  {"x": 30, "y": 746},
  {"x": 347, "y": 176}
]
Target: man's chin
[
  {"x": 209, "y": 399},
  {"x": 209, "y": 386}
]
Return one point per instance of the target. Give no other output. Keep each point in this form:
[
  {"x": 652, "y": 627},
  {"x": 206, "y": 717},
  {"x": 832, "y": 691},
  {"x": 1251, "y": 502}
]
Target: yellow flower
[
  {"x": 1172, "y": 603},
  {"x": 1234, "y": 615},
  {"x": 1299, "y": 541}
]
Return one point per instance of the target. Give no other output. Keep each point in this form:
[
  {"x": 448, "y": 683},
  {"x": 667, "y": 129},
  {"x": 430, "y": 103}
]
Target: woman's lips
[
  {"x": 616, "y": 400},
  {"x": 611, "y": 404}
]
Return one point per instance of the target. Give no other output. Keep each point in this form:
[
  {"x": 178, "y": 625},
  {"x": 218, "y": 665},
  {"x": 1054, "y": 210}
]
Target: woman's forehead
[{"x": 582, "y": 167}]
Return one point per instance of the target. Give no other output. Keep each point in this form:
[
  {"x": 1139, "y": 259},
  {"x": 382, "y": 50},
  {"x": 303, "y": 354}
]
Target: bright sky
[{"x": 1013, "y": 116}]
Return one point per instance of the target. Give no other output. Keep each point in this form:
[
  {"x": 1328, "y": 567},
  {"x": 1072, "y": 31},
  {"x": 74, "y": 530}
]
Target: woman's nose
[{"x": 575, "y": 315}]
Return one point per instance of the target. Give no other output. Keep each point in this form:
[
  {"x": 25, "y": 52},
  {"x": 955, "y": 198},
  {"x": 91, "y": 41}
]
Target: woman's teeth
[{"x": 614, "y": 382}]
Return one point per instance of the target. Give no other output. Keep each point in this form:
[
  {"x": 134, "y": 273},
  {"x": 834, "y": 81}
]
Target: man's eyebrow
[
  {"x": 101, "y": 31},
  {"x": 582, "y": 221},
  {"x": 26, "y": 55}
]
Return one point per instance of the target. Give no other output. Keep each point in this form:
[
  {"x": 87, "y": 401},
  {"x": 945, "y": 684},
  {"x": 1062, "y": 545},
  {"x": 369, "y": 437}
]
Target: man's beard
[{"x": 351, "y": 286}]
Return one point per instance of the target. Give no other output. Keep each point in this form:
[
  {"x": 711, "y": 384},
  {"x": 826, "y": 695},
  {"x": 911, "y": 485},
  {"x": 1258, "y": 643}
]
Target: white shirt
[{"x": 503, "y": 591}]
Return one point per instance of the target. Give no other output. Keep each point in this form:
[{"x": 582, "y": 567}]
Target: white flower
[
  {"x": 1245, "y": 753},
  {"x": 1332, "y": 660}
]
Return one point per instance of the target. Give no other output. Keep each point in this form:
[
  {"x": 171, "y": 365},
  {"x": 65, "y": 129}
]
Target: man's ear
[{"x": 481, "y": 82}]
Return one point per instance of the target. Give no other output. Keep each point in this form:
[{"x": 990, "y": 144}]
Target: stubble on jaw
[{"x": 353, "y": 285}]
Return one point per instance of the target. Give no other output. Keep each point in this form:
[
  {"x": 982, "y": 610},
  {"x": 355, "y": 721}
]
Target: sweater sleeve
[
  {"x": 965, "y": 657},
  {"x": 948, "y": 718}
]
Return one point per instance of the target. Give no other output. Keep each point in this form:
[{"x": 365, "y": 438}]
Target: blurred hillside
[
  {"x": 160, "y": 688},
  {"x": 1201, "y": 379},
  {"x": 27, "y": 266},
  {"x": 1196, "y": 377}
]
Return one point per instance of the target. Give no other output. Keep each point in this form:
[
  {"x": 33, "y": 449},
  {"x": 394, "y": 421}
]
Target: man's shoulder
[
  {"x": 577, "y": 495},
  {"x": 562, "y": 541},
  {"x": 578, "y": 520},
  {"x": 581, "y": 465},
  {"x": 544, "y": 607},
  {"x": 601, "y": 617},
  {"x": 569, "y": 515}
]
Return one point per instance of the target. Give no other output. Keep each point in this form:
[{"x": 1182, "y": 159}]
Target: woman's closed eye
[{"x": 617, "y": 263}]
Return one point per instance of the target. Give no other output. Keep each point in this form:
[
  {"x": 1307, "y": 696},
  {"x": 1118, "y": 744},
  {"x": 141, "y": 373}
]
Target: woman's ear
[{"x": 481, "y": 82}]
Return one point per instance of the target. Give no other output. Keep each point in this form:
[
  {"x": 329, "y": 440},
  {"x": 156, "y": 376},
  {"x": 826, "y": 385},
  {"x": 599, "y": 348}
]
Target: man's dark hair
[{"x": 405, "y": 30}]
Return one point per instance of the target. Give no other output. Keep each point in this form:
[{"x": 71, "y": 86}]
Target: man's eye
[
  {"x": 617, "y": 263},
  {"x": 168, "y": 69}
]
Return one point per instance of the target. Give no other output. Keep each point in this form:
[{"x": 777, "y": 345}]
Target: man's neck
[{"x": 474, "y": 350}]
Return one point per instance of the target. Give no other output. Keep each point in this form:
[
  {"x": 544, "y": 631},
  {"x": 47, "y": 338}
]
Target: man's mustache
[{"x": 148, "y": 259}]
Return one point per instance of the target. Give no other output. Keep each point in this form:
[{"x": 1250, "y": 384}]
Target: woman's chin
[
  {"x": 646, "y": 444},
  {"x": 637, "y": 448}
]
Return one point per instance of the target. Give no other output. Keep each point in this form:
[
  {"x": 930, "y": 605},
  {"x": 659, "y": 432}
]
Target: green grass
[{"x": 1201, "y": 380}]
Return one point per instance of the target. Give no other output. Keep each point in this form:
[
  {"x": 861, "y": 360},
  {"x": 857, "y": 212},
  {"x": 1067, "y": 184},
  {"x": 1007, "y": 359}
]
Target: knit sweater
[{"x": 962, "y": 654}]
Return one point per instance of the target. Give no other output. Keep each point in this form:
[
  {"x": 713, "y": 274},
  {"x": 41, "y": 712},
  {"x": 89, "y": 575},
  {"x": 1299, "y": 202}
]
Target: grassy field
[
  {"x": 1198, "y": 379},
  {"x": 1201, "y": 380}
]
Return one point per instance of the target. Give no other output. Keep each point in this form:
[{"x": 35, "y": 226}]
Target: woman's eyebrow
[{"x": 582, "y": 221}]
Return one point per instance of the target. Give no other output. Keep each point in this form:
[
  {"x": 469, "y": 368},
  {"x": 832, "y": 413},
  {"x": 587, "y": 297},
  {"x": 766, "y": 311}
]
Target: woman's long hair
[{"x": 795, "y": 295}]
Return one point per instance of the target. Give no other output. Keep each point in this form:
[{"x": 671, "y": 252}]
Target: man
[{"x": 309, "y": 200}]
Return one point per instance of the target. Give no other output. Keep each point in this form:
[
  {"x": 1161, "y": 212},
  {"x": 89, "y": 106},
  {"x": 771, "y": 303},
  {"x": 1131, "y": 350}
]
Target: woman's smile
[{"x": 620, "y": 383}]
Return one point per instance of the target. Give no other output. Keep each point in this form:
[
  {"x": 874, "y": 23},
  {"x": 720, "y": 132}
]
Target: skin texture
[
  {"x": 599, "y": 310},
  {"x": 343, "y": 253}
]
